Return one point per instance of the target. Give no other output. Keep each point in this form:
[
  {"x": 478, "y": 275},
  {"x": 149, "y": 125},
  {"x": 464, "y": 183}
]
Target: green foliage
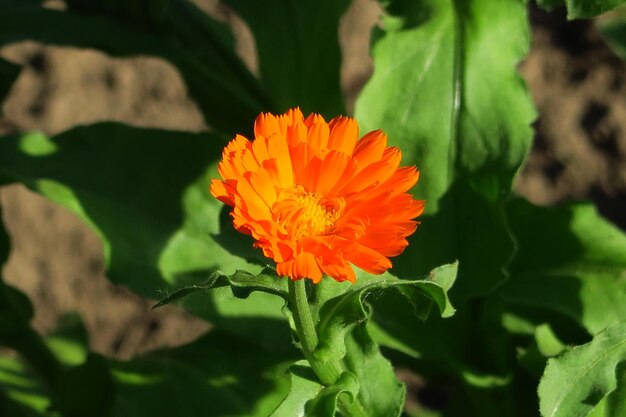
[
  {"x": 532, "y": 281},
  {"x": 580, "y": 9},
  {"x": 341, "y": 314},
  {"x": 430, "y": 95},
  {"x": 299, "y": 59},
  {"x": 576, "y": 381},
  {"x": 226, "y": 92},
  {"x": 570, "y": 261}
]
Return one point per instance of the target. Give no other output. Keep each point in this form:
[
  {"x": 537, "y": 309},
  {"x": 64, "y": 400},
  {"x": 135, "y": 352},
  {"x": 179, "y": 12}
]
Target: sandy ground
[{"x": 577, "y": 82}]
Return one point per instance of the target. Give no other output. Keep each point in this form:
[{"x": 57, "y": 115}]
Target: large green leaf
[
  {"x": 570, "y": 261},
  {"x": 576, "y": 381},
  {"x": 226, "y": 92},
  {"x": 187, "y": 381},
  {"x": 580, "y": 9},
  {"x": 298, "y": 49},
  {"x": 342, "y": 315},
  {"x": 446, "y": 91},
  {"x": 145, "y": 192},
  {"x": 217, "y": 375}
]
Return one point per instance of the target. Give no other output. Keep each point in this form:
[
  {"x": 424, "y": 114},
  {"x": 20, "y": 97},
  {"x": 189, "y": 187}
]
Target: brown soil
[{"x": 578, "y": 85}]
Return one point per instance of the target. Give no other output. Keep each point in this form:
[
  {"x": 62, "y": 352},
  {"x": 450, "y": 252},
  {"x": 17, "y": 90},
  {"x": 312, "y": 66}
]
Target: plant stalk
[{"x": 327, "y": 372}]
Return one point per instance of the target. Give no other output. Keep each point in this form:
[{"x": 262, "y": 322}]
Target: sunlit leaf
[
  {"x": 576, "y": 381},
  {"x": 570, "y": 261},
  {"x": 446, "y": 91},
  {"x": 242, "y": 284},
  {"x": 342, "y": 311}
]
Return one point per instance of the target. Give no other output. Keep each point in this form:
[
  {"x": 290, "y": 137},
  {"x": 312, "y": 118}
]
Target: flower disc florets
[{"x": 316, "y": 198}]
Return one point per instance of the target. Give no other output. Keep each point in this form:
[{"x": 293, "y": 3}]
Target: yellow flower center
[{"x": 301, "y": 213}]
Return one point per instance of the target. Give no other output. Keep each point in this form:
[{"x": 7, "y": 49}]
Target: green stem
[{"x": 305, "y": 328}]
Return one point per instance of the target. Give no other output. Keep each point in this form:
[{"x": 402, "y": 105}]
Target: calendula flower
[{"x": 316, "y": 198}]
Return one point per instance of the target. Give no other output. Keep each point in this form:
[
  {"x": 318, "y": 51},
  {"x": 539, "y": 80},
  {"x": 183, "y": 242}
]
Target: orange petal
[
  {"x": 251, "y": 201},
  {"x": 318, "y": 137},
  {"x": 263, "y": 185},
  {"x": 265, "y": 125},
  {"x": 368, "y": 259},
  {"x": 278, "y": 149},
  {"x": 305, "y": 266},
  {"x": 330, "y": 171},
  {"x": 370, "y": 148},
  {"x": 344, "y": 133},
  {"x": 339, "y": 271}
]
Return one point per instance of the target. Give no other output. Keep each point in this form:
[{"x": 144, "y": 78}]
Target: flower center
[{"x": 302, "y": 214}]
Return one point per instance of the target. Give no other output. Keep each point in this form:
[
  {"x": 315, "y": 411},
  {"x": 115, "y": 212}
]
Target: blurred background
[{"x": 578, "y": 84}]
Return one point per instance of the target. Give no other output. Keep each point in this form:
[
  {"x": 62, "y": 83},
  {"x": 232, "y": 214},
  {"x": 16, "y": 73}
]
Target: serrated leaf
[
  {"x": 579, "y": 379},
  {"x": 304, "y": 387},
  {"x": 145, "y": 193},
  {"x": 446, "y": 91},
  {"x": 326, "y": 403},
  {"x": 570, "y": 261},
  {"x": 303, "y": 33},
  {"x": 342, "y": 314},
  {"x": 242, "y": 284}
]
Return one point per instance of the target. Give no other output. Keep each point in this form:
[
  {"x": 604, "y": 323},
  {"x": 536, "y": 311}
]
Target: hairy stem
[{"x": 327, "y": 372}]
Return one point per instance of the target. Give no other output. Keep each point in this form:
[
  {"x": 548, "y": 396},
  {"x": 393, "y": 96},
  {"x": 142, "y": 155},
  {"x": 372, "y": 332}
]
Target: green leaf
[
  {"x": 570, "y": 261},
  {"x": 326, "y": 402},
  {"x": 304, "y": 387},
  {"x": 145, "y": 193},
  {"x": 576, "y": 381},
  {"x": 226, "y": 92},
  {"x": 303, "y": 34},
  {"x": 186, "y": 381},
  {"x": 20, "y": 393},
  {"x": 341, "y": 314},
  {"x": 217, "y": 375},
  {"x": 580, "y": 9},
  {"x": 242, "y": 284},
  {"x": 446, "y": 91},
  {"x": 616, "y": 402}
]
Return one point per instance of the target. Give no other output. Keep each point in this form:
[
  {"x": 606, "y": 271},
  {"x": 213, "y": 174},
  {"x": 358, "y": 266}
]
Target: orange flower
[{"x": 315, "y": 198}]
